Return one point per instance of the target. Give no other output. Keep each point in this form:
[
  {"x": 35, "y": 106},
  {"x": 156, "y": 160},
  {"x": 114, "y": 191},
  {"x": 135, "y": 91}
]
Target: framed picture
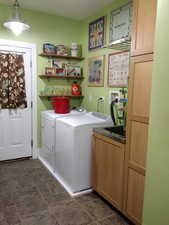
[
  {"x": 97, "y": 33},
  {"x": 74, "y": 71},
  {"x": 118, "y": 69},
  {"x": 49, "y": 70},
  {"x": 56, "y": 64},
  {"x": 60, "y": 72},
  {"x": 96, "y": 71},
  {"x": 120, "y": 24},
  {"x": 49, "y": 48}
]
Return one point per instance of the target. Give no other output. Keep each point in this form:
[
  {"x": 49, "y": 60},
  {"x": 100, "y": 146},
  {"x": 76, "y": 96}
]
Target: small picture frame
[
  {"x": 60, "y": 72},
  {"x": 62, "y": 50},
  {"x": 49, "y": 70},
  {"x": 74, "y": 71},
  {"x": 97, "y": 33},
  {"x": 49, "y": 48},
  {"x": 56, "y": 63},
  {"x": 96, "y": 71}
]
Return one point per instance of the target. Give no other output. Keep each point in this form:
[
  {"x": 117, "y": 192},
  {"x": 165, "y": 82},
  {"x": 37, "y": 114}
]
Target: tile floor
[{"x": 29, "y": 195}]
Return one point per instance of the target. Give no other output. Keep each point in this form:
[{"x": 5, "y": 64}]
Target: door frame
[{"x": 33, "y": 49}]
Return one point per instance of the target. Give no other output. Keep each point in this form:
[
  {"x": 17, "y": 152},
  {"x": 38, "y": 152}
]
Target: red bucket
[{"x": 61, "y": 105}]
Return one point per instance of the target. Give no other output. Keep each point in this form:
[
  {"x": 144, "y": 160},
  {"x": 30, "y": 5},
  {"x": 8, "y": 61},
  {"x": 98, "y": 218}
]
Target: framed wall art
[
  {"x": 120, "y": 24},
  {"x": 96, "y": 71},
  {"x": 118, "y": 69},
  {"x": 49, "y": 70},
  {"x": 74, "y": 71},
  {"x": 97, "y": 33}
]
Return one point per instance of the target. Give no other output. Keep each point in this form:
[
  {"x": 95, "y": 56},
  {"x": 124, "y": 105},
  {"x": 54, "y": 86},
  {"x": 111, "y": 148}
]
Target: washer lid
[
  {"x": 51, "y": 114},
  {"x": 87, "y": 119}
]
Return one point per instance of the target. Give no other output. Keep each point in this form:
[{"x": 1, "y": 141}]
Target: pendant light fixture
[{"x": 16, "y": 23}]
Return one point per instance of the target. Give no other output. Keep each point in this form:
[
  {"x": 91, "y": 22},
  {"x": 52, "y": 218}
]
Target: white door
[{"x": 16, "y": 124}]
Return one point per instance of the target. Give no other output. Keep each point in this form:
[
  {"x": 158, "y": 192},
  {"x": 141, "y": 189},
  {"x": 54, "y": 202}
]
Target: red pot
[{"x": 61, "y": 105}]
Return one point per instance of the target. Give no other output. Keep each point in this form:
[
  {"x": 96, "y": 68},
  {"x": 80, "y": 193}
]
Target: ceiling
[{"x": 75, "y": 9}]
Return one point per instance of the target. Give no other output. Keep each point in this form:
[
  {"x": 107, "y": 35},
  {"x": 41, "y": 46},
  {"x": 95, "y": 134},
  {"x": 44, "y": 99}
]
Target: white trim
[
  {"x": 31, "y": 46},
  {"x": 58, "y": 178}
]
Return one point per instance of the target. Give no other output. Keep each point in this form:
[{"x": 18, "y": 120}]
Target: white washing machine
[
  {"x": 48, "y": 130},
  {"x": 73, "y": 149}
]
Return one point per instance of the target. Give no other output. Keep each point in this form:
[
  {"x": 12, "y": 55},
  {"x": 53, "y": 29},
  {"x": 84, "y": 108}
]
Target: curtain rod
[{"x": 7, "y": 51}]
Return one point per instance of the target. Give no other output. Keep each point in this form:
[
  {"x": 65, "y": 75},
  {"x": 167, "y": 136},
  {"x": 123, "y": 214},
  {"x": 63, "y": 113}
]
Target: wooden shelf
[
  {"x": 61, "y": 56},
  {"x": 60, "y": 77},
  {"x": 71, "y": 96}
]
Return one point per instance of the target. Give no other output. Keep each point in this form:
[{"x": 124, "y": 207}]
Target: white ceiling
[{"x": 75, "y": 9}]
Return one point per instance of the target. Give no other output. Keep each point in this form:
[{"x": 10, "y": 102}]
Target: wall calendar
[
  {"x": 120, "y": 24},
  {"x": 118, "y": 69}
]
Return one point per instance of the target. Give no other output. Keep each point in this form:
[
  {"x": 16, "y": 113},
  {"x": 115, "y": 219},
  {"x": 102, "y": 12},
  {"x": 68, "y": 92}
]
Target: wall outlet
[
  {"x": 113, "y": 95},
  {"x": 90, "y": 98}
]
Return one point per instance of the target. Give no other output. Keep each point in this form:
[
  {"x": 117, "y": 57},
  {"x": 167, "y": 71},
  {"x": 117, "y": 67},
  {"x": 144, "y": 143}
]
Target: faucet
[{"x": 112, "y": 110}]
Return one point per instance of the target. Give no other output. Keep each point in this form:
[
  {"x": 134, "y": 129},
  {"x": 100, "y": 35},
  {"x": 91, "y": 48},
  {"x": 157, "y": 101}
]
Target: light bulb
[
  {"x": 16, "y": 27},
  {"x": 16, "y": 23}
]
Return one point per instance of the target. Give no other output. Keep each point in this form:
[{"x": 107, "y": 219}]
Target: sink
[{"x": 117, "y": 130}]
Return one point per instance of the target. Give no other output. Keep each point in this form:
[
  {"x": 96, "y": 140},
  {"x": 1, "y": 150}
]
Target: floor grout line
[{"x": 47, "y": 207}]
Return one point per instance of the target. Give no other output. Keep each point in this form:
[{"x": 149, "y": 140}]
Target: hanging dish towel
[{"x": 12, "y": 82}]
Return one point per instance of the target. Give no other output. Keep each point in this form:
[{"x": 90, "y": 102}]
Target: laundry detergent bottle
[{"x": 76, "y": 89}]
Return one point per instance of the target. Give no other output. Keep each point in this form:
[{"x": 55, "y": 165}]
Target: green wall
[
  {"x": 92, "y": 93},
  {"x": 60, "y": 30},
  {"x": 44, "y": 28},
  {"x": 156, "y": 205}
]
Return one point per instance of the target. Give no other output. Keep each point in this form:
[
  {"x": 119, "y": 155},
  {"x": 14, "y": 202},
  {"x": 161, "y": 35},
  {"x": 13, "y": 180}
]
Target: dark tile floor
[{"x": 29, "y": 195}]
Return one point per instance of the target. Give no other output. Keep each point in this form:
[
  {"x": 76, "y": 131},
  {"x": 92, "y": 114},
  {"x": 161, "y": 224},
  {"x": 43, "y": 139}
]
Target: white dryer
[
  {"x": 48, "y": 130},
  {"x": 73, "y": 149}
]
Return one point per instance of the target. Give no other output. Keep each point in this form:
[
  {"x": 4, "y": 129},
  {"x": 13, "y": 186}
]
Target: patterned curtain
[{"x": 12, "y": 82}]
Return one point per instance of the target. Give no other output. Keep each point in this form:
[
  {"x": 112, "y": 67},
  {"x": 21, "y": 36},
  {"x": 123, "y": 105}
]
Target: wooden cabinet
[
  {"x": 139, "y": 107},
  {"x": 138, "y": 143},
  {"x": 137, "y": 135},
  {"x": 126, "y": 191},
  {"x": 136, "y": 153},
  {"x": 140, "y": 87},
  {"x": 135, "y": 195},
  {"x": 143, "y": 27},
  {"x": 108, "y": 169}
]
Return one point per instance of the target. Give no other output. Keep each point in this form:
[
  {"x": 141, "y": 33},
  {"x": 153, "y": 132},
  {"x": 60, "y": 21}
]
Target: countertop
[{"x": 114, "y": 136}]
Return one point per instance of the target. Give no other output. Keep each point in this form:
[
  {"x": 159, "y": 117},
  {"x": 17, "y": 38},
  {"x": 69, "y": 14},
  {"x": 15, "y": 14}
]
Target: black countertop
[{"x": 114, "y": 136}]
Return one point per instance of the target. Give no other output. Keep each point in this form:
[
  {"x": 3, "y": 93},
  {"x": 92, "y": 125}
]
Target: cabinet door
[
  {"x": 138, "y": 143},
  {"x": 143, "y": 27},
  {"x": 135, "y": 195},
  {"x": 135, "y": 170},
  {"x": 108, "y": 165},
  {"x": 140, "y": 88},
  {"x": 137, "y": 135}
]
